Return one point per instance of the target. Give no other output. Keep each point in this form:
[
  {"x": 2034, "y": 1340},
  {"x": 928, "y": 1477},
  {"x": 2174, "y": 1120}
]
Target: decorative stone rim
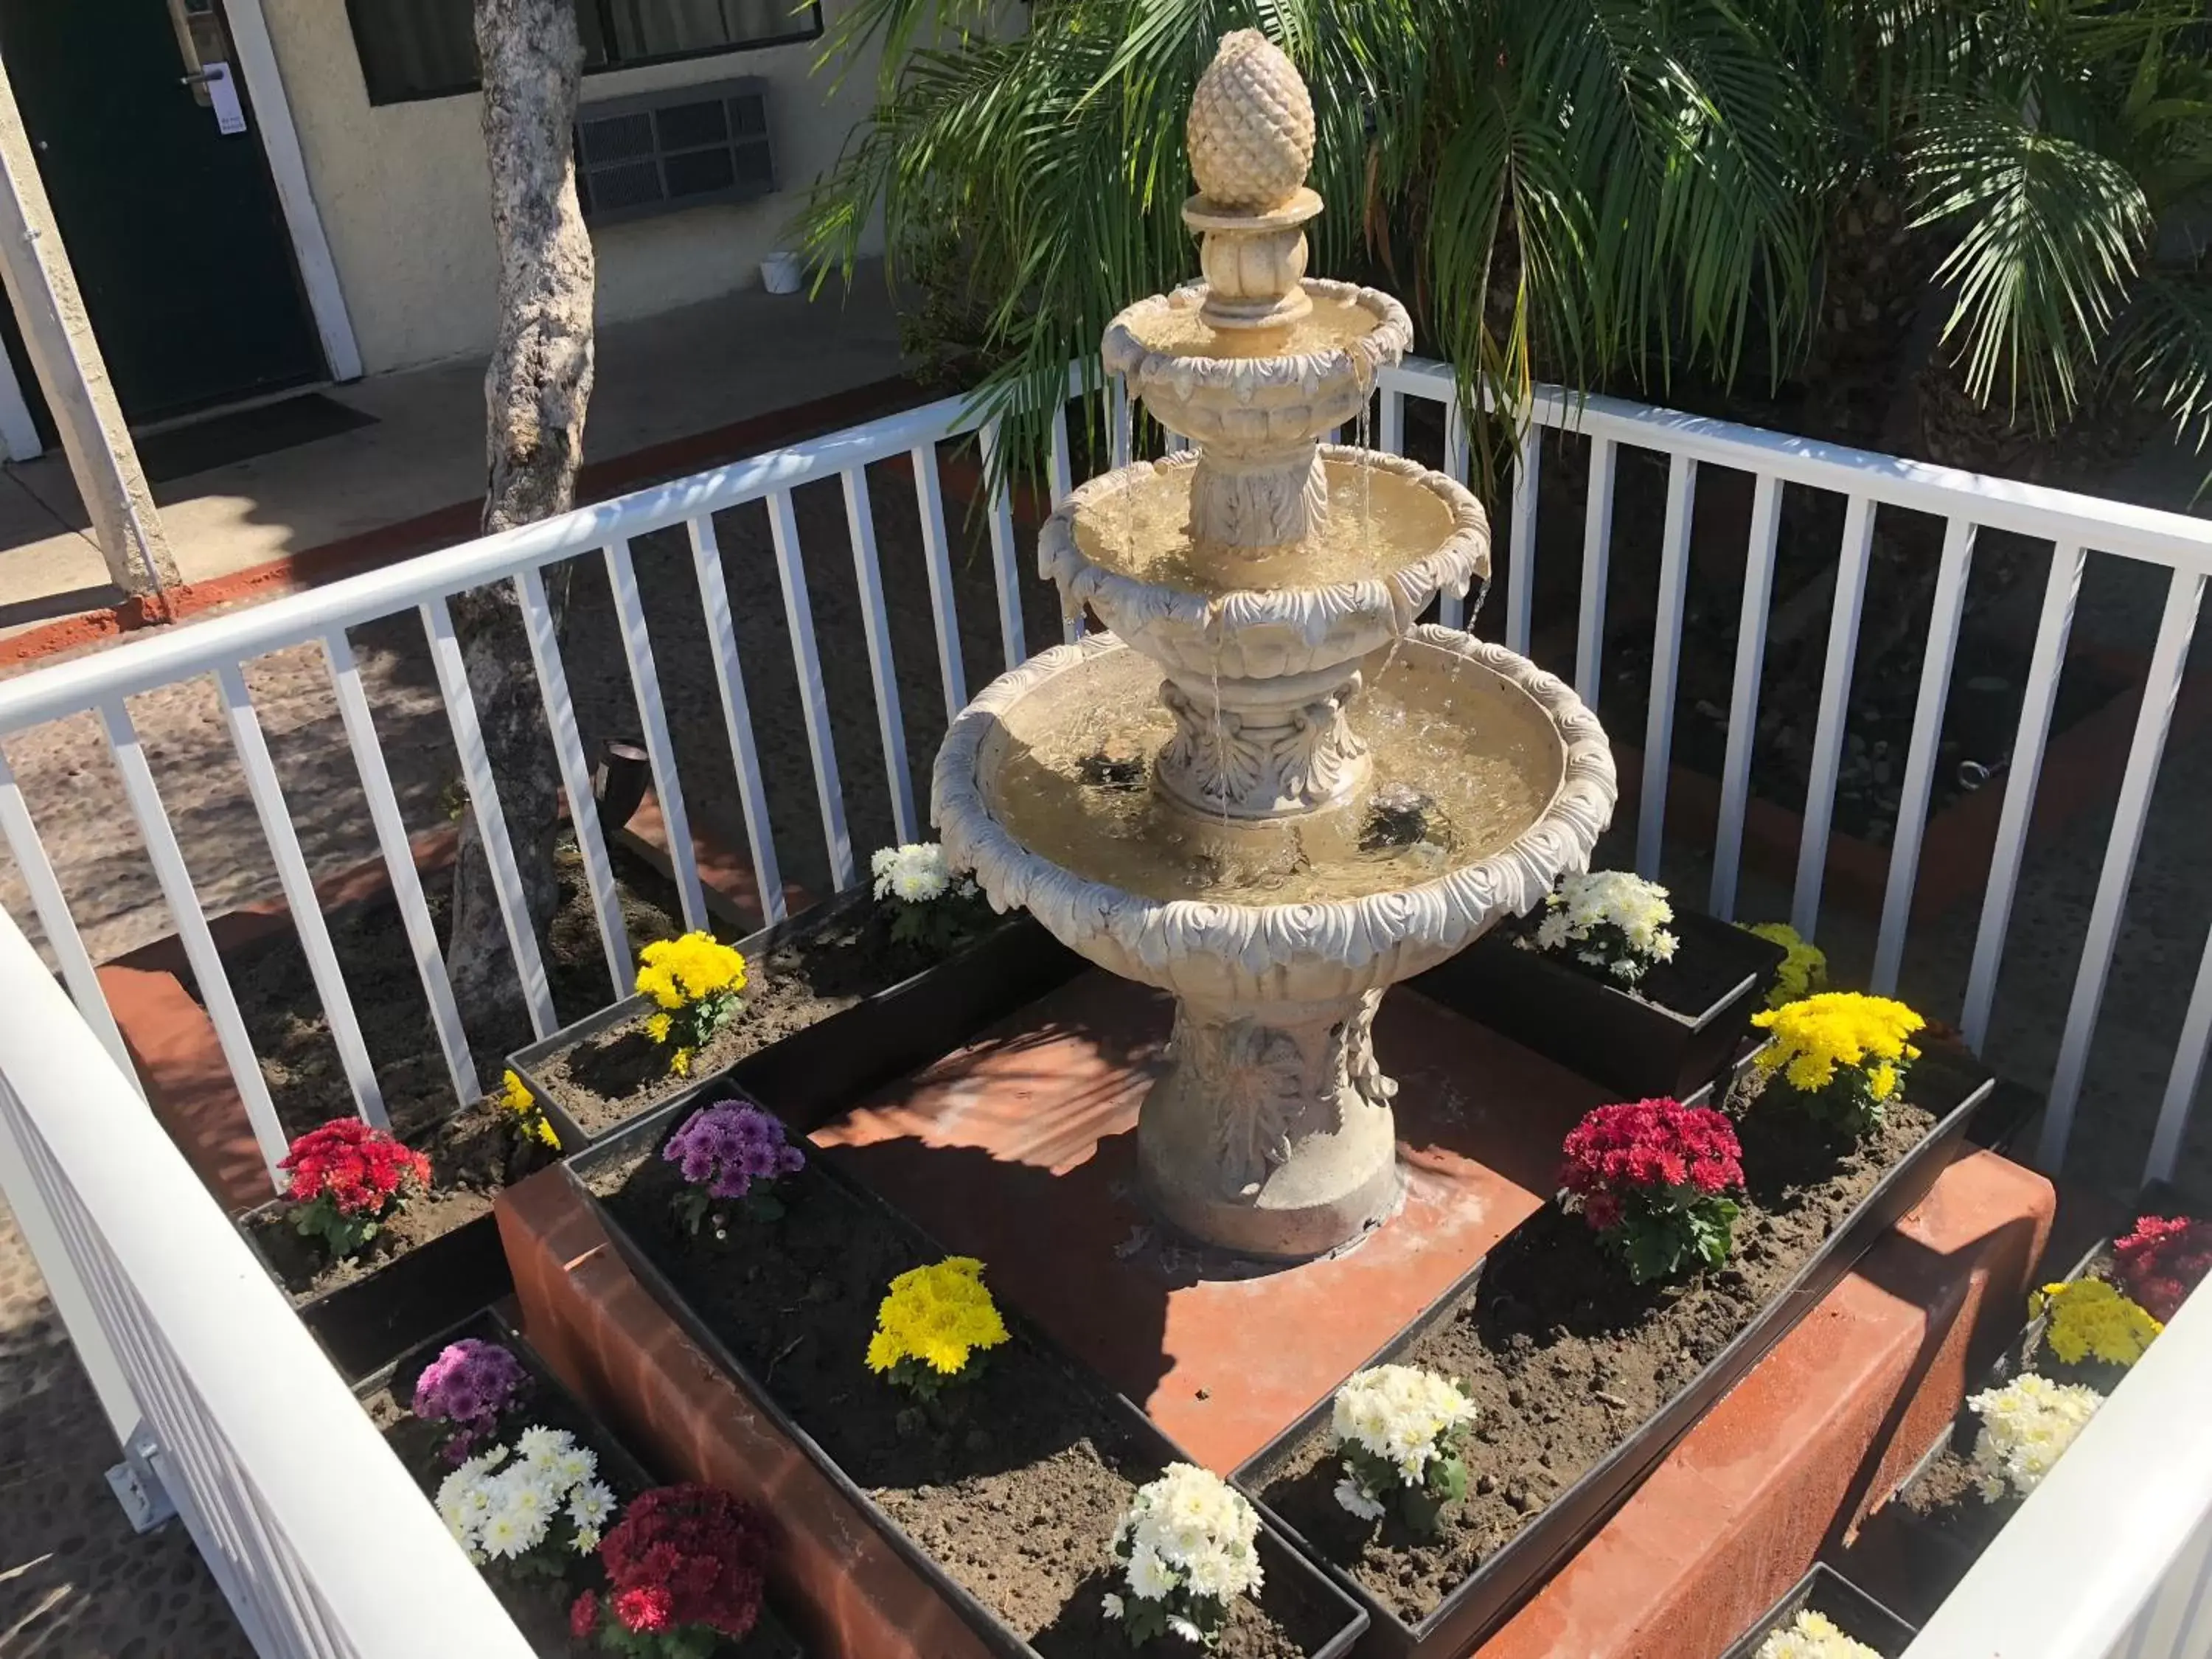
[
  {"x": 1442, "y": 913},
  {"x": 1313, "y": 612},
  {"x": 1358, "y": 361}
]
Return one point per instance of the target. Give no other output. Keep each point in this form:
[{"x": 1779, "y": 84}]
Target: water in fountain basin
[
  {"x": 1377, "y": 523},
  {"x": 1179, "y": 330},
  {"x": 1484, "y": 758}
]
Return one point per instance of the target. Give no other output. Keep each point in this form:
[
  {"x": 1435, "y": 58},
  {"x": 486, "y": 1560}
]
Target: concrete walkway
[{"x": 661, "y": 381}]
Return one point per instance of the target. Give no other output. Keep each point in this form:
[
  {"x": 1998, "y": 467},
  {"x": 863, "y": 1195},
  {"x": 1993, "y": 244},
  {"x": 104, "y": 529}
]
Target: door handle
[{"x": 212, "y": 82}]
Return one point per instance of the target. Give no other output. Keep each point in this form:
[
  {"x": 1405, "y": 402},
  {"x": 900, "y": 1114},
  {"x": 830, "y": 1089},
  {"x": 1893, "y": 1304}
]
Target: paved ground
[
  {"x": 657, "y": 379},
  {"x": 71, "y": 790},
  {"x": 75, "y": 1583}
]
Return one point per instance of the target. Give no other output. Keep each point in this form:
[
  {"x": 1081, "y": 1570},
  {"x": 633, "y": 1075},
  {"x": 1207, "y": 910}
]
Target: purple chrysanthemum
[
  {"x": 471, "y": 1384},
  {"x": 728, "y": 1146}
]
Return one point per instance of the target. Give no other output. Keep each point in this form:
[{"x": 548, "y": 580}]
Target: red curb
[
  {"x": 188, "y": 1083},
  {"x": 427, "y": 532},
  {"x": 1819, "y": 1432}
]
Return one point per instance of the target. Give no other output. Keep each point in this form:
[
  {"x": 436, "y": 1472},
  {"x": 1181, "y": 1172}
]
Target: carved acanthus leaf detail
[{"x": 1256, "y": 1074}]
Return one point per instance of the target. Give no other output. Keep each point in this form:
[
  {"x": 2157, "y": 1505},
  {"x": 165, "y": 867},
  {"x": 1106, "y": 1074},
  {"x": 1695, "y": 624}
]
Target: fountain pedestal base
[{"x": 1271, "y": 1133}]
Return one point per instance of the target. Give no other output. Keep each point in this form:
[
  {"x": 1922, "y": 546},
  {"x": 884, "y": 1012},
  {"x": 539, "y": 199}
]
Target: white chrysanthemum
[
  {"x": 1812, "y": 1635},
  {"x": 1638, "y": 909},
  {"x": 2026, "y": 1427},
  {"x": 1179, "y": 1625},
  {"x": 914, "y": 874},
  {"x": 1401, "y": 1415},
  {"x": 1187, "y": 1534},
  {"x": 502, "y": 1537},
  {"x": 539, "y": 1445},
  {"x": 591, "y": 1504},
  {"x": 1112, "y": 1605},
  {"x": 1352, "y": 1496},
  {"x": 1150, "y": 1579}
]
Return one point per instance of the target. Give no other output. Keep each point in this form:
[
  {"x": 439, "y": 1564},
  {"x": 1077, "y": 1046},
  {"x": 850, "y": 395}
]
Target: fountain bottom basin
[{"x": 1271, "y": 1133}]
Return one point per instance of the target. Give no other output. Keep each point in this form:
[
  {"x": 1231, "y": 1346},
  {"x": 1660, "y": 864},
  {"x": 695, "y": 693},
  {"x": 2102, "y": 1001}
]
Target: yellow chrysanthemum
[
  {"x": 1815, "y": 1034},
  {"x": 1804, "y": 969},
  {"x": 514, "y": 1094},
  {"x": 939, "y": 1316},
  {"x": 657, "y": 1026},
  {"x": 679, "y": 1063},
  {"x": 2091, "y": 1320},
  {"x": 675, "y": 971}
]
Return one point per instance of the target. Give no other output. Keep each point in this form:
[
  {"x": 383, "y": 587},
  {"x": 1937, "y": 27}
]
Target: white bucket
[{"x": 782, "y": 273}]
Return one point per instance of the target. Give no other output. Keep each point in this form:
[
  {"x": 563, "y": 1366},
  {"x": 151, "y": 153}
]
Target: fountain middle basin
[{"x": 1271, "y": 1133}]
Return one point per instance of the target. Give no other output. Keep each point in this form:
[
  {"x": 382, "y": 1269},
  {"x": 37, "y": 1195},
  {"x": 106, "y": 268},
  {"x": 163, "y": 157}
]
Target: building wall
[{"x": 405, "y": 198}]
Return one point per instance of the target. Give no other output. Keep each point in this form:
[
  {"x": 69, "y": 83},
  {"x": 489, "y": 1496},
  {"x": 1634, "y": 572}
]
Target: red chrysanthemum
[
  {"x": 584, "y": 1616},
  {"x": 647, "y": 1607},
  {"x": 1648, "y": 1146},
  {"x": 2161, "y": 1261},
  {"x": 687, "y": 1555},
  {"x": 362, "y": 1170}
]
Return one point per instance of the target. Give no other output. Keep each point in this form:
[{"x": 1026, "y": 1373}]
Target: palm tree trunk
[{"x": 535, "y": 388}]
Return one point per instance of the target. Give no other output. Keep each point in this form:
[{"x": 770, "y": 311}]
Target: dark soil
[
  {"x": 304, "y": 1267},
  {"x": 1565, "y": 1358},
  {"x": 1698, "y": 976},
  {"x": 821, "y": 967},
  {"x": 1948, "y": 1495},
  {"x": 1014, "y": 1486}
]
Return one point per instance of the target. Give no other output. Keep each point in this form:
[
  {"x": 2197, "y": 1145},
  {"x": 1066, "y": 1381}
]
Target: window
[{"x": 426, "y": 48}]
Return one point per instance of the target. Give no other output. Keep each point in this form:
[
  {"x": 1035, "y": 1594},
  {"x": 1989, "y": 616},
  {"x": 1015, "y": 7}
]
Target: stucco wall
[{"x": 405, "y": 201}]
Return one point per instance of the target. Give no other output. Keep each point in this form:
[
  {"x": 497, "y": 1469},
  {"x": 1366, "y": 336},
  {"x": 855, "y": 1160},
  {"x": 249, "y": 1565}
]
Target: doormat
[{"x": 262, "y": 430}]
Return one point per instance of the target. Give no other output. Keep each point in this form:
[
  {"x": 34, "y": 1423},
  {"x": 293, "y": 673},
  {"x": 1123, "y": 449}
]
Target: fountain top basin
[
  {"x": 1398, "y": 535},
  {"x": 1342, "y": 928}
]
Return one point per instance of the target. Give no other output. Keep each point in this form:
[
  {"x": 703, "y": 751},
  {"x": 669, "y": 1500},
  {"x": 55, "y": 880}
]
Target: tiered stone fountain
[{"x": 1320, "y": 797}]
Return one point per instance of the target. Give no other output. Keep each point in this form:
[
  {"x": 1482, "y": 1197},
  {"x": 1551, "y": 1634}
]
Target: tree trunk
[{"x": 535, "y": 391}]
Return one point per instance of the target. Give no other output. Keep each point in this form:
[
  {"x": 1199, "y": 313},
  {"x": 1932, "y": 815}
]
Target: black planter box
[
  {"x": 769, "y": 1639},
  {"x": 1944, "y": 1086},
  {"x": 810, "y": 1075},
  {"x": 1825, "y": 1590},
  {"x": 1639, "y": 1046},
  {"x": 398, "y": 1304},
  {"x": 1284, "y": 1564}
]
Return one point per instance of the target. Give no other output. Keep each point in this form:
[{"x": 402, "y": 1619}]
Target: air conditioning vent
[{"x": 662, "y": 151}]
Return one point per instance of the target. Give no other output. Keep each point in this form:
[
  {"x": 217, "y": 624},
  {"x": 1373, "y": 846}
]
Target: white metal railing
[
  {"x": 2076, "y": 525},
  {"x": 204, "y": 1371},
  {"x": 130, "y": 1293},
  {"x": 2110, "y": 1558}
]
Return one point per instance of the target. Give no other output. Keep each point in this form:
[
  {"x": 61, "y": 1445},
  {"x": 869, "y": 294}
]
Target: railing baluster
[
  {"x": 1743, "y": 696},
  {"x": 875, "y": 627},
  {"x": 1835, "y": 712},
  {"x": 2045, "y": 663},
  {"x": 2184, "y": 1075},
  {"x": 813, "y": 697},
  {"x": 399, "y": 864},
  {"x": 538, "y": 627},
  {"x": 1390, "y": 426},
  {"x": 929, "y": 498},
  {"x": 167, "y": 859},
  {"x": 491, "y": 820},
  {"x": 1520, "y": 589},
  {"x": 1451, "y": 610},
  {"x": 300, "y": 896},
  {"x": 1597, "y": 557},
  {"x": 1060, "y": 478},
  {"x": 1003, "y": 568},
  {"x": 2169, "y": 659},
  {"x": 736, "y": 716},
  {"x": 1121, "y": 420},
  {"x": 1666, "y": 662},
  {"x": 667, "y": 784},
  {"x": 52, "y": 906},
  {"x": 1950, "y": 604}
]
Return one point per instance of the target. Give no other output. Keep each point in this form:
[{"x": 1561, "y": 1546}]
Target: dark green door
[{"x": 172, "y": 225}]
